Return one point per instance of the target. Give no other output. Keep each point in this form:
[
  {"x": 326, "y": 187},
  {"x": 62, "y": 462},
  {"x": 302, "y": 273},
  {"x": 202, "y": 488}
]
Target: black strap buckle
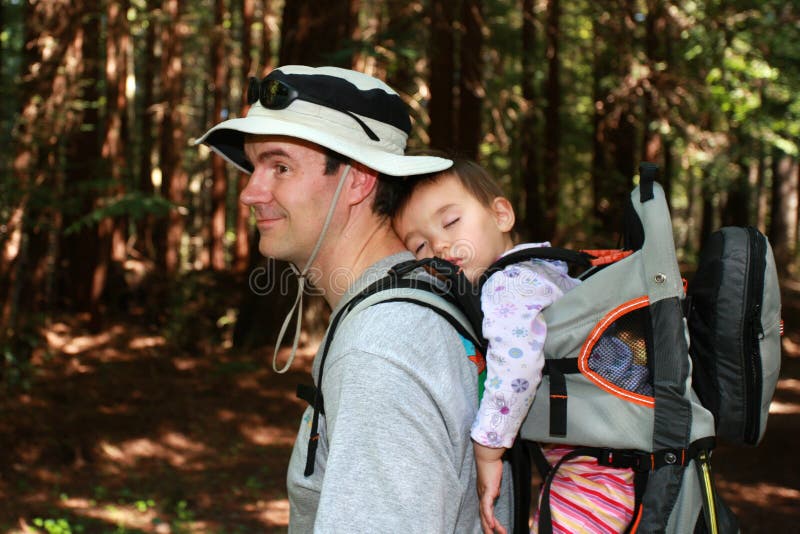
[
  {"x": 310, "y": 394},
  {"x": 622, "y": 459}
]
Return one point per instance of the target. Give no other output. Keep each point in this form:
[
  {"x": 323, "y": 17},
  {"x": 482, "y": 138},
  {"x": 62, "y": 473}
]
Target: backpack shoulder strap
[
  {"x": 426, "y": 298},
  {"x": 572, "y": 257}
]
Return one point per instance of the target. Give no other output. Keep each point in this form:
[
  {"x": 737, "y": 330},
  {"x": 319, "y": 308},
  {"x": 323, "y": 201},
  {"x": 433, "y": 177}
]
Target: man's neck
[{"x": 343, "y": 262}]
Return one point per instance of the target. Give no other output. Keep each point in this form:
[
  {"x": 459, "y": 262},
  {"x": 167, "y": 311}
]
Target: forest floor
[{"x": 118, "y": 433}]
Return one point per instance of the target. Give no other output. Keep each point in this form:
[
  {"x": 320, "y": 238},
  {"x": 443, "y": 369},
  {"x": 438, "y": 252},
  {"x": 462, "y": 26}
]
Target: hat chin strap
[{"x": 301, "y": 279}]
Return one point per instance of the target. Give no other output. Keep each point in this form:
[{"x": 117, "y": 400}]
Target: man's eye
[
  {"x": 451, "y": 223},
  {"x": 281, "y": 169}
]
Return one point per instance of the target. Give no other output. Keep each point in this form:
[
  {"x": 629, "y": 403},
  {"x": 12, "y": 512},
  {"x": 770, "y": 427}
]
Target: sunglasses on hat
[{"x": 277, "y": 94}]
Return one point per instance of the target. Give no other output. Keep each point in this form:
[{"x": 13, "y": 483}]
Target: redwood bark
[
  {"x": 441, "y": 107},
  {"x": 172, "y": 136},
  {"x": 531, "y": 175},
  {"x": 552, "y": 136},
  {"x": 471, "y": 89},
  {"x": 219, "y": 175}
]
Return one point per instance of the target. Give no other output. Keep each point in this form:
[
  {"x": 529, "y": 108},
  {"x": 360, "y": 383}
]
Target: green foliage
[
  {"x": 57, "y": 526},
  {"x": 16, "y": 348},
  {"x": 135, "y": 205},
  {"x": 200, "y": 310},
  {"x": 178, "y": 515}
]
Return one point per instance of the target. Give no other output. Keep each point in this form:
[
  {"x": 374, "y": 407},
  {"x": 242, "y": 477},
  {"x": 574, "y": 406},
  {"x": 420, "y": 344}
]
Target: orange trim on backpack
[
  {"x": 606, "y": 256},
  {"x": 594, "y": 336},
  {"x": 635, "y": 526},
  {"x": 478, "y": 360}
]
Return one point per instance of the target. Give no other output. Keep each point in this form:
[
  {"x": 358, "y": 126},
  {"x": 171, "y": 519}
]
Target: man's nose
[{"x": 257, "y": 191}]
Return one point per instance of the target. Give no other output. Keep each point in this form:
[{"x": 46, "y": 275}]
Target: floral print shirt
[{"x": 512, "y": 301}]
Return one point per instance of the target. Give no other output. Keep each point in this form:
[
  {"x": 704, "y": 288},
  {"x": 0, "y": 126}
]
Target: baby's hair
[{"x": 475, "y": 179}]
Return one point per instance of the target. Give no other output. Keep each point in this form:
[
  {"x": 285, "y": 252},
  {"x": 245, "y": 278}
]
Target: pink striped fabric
[{"x": 586, "y": 497}]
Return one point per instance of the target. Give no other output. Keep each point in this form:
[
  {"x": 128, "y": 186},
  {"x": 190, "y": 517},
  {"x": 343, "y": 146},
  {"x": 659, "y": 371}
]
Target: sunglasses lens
[
  {"x": 275, "y": 94},
  {"x": 252, "y": 90}
]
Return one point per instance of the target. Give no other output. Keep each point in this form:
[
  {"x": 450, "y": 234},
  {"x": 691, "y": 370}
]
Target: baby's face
[{"x": 443, "y": 219}]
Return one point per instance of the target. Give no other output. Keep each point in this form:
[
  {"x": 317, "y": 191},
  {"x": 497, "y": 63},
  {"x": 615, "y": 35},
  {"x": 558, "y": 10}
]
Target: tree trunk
[
  {"x": 552, "y": 136},
  {"x": 86, "y": 251},
  {"x": 707, "y": 222},
  {"x": 172, "y": 136},
  {"x": 442, "y": 69},
  {"x": 145, "y": 227},
  {"x": 241, "y": 250},
  {"x": 615, "y": 132},
  {"x": 116, "y": 135},
  {"x": 50, "y": 42},
  {"x": 531, "y": 175},
  {"x": 400, "y": 25},
  {"x": 655, "y": 30},
  {"x": 309, "y": 34},
  {"x": 471, "y": 88},
  {"x": 266, "y": 38},
  {"x": 219, "y": 176},
  {"x": 783, "y": 210},
  {"x": 736, "y": 209},
  {"x": 599, "y": 160},
  {"x": 668, "y": 171}
]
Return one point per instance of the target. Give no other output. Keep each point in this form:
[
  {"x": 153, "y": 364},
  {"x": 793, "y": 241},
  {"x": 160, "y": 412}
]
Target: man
[{"x": 390, "y": 448}]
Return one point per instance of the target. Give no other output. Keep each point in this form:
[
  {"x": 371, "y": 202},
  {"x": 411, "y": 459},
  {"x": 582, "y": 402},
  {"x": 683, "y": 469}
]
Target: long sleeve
[{"x": 512, "y": 301}]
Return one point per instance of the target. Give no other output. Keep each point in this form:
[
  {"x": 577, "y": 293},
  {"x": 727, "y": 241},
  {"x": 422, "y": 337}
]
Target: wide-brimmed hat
[{"x": 346, "y": 111}]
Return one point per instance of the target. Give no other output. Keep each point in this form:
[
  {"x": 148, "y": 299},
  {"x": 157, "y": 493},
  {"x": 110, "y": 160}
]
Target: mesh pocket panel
[{"x": 620, "y": 355}]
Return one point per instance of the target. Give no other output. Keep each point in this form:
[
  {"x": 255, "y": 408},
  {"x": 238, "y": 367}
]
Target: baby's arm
[
  {"x": 512, "y": 301},
  {"x": 490, "y": 473}
]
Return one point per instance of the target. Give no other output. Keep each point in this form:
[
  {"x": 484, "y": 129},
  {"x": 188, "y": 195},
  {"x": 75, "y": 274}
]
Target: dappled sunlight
[
  {"x": 779, "y": 499},
  {"x": 275, "y": 512},
  {"x": 136, "y": 515},
  {"x": 173, "y": 447},
  {"x": 146, "y": 342},
  {"x": 786, "y": 385},
  {"x": 258, "y": 433},
  {"x": 784, "y": 408},
  {"x": 82, "y": 343},
  {"x": 790, "y": 348},
  {"x": 185, "y": 364}
]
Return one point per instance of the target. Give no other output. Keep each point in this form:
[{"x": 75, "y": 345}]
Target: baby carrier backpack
[{"x": 619, "y": 376}]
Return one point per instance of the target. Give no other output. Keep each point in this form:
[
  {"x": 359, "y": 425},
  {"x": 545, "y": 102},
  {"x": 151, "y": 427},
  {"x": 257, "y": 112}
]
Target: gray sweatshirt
[{"x": 394, "y": 451}]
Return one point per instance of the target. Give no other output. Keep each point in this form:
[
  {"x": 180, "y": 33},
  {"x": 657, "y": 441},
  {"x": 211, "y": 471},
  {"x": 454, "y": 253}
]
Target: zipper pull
[{"x": 758, "y": 328}]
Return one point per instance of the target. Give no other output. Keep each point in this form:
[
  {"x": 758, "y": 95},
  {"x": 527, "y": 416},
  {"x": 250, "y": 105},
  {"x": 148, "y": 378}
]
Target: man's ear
[
  {"x": 363, "y": 182},
  {"x": 503, "y": 214}
]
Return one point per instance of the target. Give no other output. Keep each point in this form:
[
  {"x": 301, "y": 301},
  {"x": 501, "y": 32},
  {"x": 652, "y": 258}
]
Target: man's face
[{"x": 289, "y": 195}]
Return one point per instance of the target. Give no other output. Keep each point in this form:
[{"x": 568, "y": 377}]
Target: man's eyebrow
[{"x": 271, "y": 153}]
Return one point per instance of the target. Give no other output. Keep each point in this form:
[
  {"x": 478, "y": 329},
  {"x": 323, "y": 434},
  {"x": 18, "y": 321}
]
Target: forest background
[{"x": 133, "y": 331}]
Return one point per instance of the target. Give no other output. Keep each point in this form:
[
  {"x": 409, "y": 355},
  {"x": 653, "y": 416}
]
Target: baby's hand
[{"x": 490, "y": 473}]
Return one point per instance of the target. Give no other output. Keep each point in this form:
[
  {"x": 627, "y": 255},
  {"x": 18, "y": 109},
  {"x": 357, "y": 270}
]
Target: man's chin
[{"x": 268, "y": 249}]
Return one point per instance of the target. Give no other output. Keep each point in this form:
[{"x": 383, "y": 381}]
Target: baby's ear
[{"x": 503, "y": 214}]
